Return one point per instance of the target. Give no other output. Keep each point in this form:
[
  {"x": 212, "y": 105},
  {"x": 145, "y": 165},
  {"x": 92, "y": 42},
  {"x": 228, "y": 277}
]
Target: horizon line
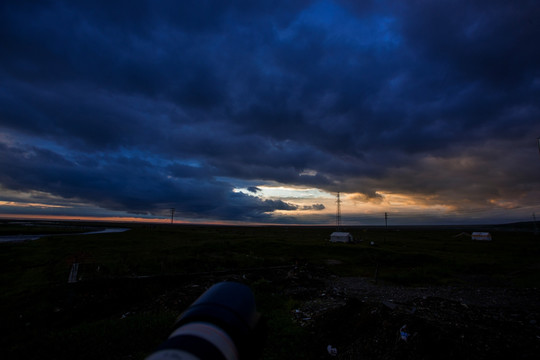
[{"x": 166, "y": 221}]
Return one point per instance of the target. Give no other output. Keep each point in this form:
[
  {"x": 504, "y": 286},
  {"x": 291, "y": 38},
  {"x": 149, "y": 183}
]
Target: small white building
[
  {"x": 339, "y": 236},
  {"x": 485, "y": 236}
]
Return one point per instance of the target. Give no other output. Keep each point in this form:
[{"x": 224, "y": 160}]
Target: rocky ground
[{"x": 353, "y": 318}]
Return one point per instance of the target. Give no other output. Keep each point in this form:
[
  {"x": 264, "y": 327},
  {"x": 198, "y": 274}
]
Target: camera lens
[{"x": 220, "y": 324}]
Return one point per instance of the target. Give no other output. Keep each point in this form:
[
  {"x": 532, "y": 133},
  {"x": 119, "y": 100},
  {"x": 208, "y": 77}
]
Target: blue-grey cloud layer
[{"x": 143, "y": 105}]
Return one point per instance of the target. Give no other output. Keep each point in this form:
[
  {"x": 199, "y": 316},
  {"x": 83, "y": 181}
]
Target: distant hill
[{"x": 528, "y": 226}]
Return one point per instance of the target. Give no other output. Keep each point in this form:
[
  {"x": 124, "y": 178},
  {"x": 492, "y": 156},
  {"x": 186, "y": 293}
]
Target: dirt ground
[{"x": 353, "y": 318}]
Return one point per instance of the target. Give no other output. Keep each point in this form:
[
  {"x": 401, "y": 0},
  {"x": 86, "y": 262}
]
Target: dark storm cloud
[
  {"x": 313, "y": 207},
  {"x": 141, "y": 106},
  {"x": 130, "y": 184}
]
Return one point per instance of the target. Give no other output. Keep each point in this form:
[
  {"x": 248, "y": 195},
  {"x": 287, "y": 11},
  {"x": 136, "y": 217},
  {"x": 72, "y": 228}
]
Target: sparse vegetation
[{"x": 133, "y": 284}]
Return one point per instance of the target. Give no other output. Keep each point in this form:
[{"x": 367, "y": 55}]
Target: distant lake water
[{"x": 11, "y": 238}]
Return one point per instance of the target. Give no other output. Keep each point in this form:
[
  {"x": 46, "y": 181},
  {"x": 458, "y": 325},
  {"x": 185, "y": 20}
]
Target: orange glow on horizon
[
  {"x": 85, "y": 218},
  {"x": 127, "y": 219}
]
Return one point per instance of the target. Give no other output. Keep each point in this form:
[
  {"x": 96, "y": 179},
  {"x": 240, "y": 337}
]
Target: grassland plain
[{"x": 133, "y": 285}]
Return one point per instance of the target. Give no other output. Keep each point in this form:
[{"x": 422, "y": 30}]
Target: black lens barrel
[{"x": 220, "y": 324}]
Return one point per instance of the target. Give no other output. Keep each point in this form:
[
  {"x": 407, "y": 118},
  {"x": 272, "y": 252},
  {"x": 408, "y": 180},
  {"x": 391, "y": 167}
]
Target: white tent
[
  {"x": 481, "y": 236},
  {"x": 341, "y": 237}
]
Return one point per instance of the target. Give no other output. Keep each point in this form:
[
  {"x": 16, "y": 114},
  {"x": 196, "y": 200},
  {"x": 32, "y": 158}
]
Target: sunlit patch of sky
[
  {"x": 360, "y": 209},
  {"x": 29, "y": 205},
  {"x": 308, "y": 172},
  {"x": 287, "y": 192},
  {"x": 34, "y": 196}
]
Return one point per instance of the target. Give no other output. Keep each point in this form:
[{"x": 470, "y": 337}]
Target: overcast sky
[{"x": 261, "y": 111}]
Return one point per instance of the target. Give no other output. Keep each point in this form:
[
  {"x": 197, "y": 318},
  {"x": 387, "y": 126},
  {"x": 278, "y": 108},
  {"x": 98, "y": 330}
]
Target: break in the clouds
[{"x": 111, "y": 109}]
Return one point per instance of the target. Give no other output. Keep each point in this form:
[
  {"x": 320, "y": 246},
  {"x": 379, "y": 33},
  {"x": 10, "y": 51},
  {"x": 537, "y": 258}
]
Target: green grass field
[{"x": 116, "y": 312}]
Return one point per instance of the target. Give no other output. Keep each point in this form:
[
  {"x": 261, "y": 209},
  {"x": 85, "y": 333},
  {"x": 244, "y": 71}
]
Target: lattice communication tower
[{"x": 338, "y": 212}]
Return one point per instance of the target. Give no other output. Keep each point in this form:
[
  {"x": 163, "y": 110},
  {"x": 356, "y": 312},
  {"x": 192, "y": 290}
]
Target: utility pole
[
  {"x": 172, "y": 214},
  {"x": 385, "y": 225},
  {"x": 534, "y": 222}
]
